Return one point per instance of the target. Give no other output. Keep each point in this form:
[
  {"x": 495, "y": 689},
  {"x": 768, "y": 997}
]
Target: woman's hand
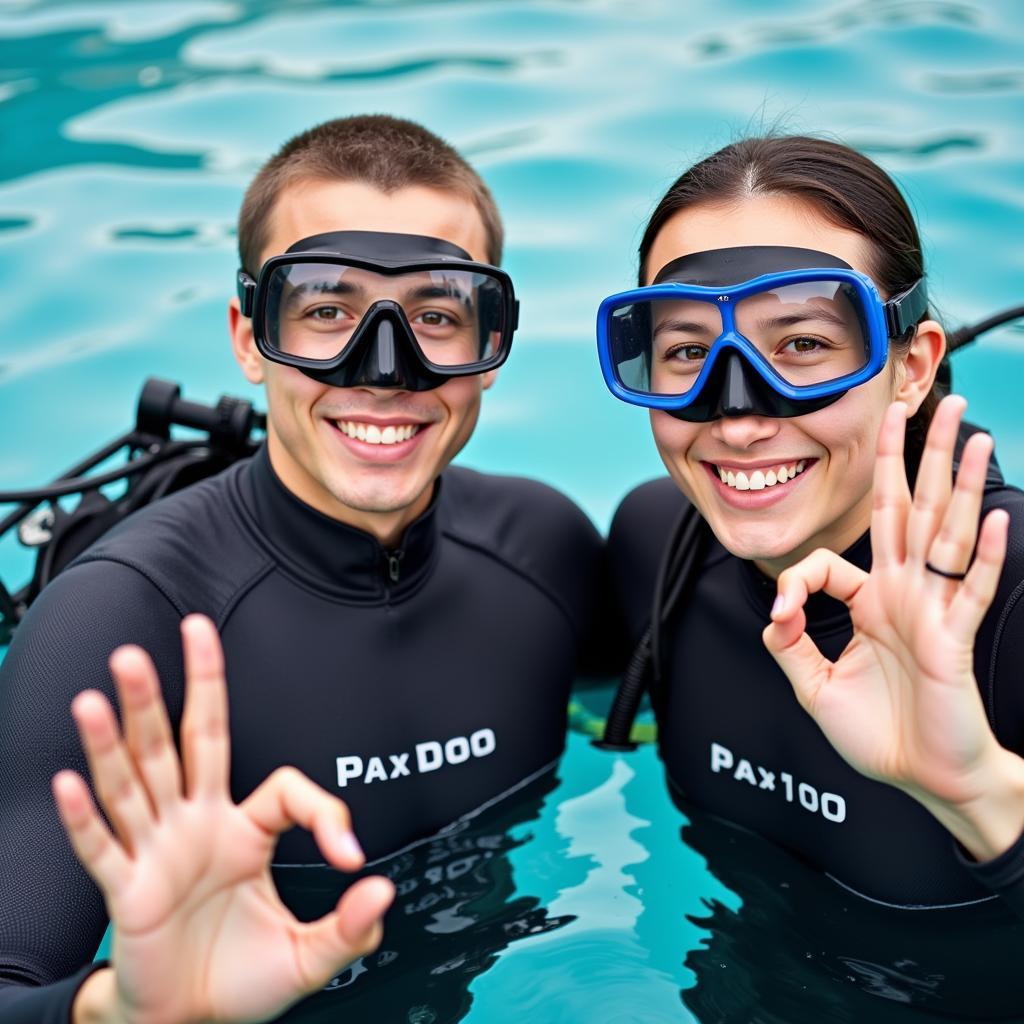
[
  {"x": 901, "y": 704},
  {"x": 199, "y": 931}
]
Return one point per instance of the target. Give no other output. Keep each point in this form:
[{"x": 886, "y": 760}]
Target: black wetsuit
[
  {"x": 735, "y": 741},
  {"x": 417, "y": 684}
]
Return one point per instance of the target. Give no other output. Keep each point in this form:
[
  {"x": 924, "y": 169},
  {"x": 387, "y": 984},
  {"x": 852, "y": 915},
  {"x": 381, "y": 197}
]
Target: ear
[
  {"x": 243, "y": 344},
  {"x": 488, "y": 378},
  {"x": 918, "y": 368}
]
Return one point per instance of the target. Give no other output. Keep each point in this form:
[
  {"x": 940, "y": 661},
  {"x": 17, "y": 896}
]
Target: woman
[{"x": 881, "y": 715}]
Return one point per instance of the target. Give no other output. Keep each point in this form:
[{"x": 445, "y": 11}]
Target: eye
[
  {"x": 434, "y": 318},
  {"x": 687, "y": 353},
  {"x": 326, "y": 314},
  {"x": 805, "y": 344}
]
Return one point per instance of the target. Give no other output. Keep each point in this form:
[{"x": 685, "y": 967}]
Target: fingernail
[
  {"x": 349, "y": 846},
  {"x": 780, "y": 603}
]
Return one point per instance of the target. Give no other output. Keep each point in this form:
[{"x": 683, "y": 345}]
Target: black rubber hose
[
  {"x": 619, "y": 723},
  {"x": 77, "y": 484},
  {"x": 965, "y": 335},
  {"x": 676, "y": 567}
]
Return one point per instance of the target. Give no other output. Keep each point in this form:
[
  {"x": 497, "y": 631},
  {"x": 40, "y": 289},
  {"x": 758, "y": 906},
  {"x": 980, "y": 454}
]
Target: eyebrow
[
  {"x": 826, "y": 316},
  {"x": 437, "y": 291},
  {"x": 299, "y": 291},
  {"x": 343, "y": 288},
  {"x": 684, "y": 326}
]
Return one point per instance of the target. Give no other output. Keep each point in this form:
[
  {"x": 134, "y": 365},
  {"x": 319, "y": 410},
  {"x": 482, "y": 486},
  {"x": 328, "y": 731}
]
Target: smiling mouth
[
  {"x": 371, "y": 433},
  {"x": 762, "y": 478}
]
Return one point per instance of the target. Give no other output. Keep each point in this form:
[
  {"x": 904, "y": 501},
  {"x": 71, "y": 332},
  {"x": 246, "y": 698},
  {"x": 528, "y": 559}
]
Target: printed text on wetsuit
[
  {"x": 830, "y": 806},
  {"x": 424, "y": 757}
]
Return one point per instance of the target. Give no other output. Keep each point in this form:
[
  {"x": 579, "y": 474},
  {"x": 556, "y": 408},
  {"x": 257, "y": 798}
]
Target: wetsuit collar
[
  {"x": 332, "y": 555},
  {"x": 823, "y": 612}
]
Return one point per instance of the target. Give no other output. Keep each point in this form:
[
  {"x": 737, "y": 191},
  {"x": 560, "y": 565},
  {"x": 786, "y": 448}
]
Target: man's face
[{"x": 366, "y": 456}]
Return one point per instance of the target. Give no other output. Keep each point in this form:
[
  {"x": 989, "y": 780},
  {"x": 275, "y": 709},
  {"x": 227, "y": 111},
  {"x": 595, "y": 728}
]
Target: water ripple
[
  {"x": 787, "y": 31},
  {"x": 967, "y": 83},
  {"x": 923, "y": 149},
  {"x": 118, "y": 22}
]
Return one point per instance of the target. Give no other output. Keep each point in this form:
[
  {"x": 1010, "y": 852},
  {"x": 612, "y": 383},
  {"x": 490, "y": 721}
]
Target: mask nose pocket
[
  {"x": 737, "y": 398},
  {"x": 384, "y": 353}
]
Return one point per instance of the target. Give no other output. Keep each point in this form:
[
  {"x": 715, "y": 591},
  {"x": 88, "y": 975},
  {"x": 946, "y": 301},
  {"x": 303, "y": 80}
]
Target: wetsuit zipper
[{"x": 394, "y": 564}]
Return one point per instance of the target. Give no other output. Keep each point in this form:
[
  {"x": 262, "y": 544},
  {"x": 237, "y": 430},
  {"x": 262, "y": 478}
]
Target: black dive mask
[{"x": 382, "y": 310}]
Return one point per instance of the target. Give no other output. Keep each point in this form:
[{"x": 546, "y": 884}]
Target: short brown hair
[
  {"x": 848, "y": 188},
  {"x": 388, "y": 153}
]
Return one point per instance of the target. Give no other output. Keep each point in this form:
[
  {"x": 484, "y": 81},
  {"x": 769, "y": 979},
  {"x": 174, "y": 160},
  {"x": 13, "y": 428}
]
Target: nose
[{"x": 744, "y": 431}]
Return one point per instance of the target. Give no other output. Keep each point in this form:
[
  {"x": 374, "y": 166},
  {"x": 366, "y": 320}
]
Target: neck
[
  {"x": 386, "y": 526},
  {"x": 837, "y": 536}
]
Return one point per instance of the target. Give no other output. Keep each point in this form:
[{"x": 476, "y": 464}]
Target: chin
[
  {"x": 375, "y": 502},
  {"x": 760, "y": 542}
]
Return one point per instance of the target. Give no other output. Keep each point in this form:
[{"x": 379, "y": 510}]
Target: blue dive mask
[
  {"x": 383, "y": 310},
  {"x": 753, "y": 330}
]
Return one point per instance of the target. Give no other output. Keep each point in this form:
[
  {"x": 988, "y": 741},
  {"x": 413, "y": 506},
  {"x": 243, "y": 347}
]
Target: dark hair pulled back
[{"x": 850, "y": 190}]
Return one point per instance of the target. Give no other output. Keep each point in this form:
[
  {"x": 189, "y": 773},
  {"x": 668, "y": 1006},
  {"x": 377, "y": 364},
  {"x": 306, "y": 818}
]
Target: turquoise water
[{"x": 129, "y": 131}]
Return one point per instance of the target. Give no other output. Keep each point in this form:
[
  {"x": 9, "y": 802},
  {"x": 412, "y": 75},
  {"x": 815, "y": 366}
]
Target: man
[{"x": 405, "y": 640}]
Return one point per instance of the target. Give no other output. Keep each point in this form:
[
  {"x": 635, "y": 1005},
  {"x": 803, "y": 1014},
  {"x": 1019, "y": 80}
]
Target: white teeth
[
  {"x": 372, "y": 434},
  {"x": 760, "y": 479}
]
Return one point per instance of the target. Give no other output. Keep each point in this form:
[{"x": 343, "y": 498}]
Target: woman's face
[{"x": 828, "y": 502}]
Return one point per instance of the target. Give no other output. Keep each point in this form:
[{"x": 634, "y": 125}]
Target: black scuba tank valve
[{"x": 229, "y": 423}]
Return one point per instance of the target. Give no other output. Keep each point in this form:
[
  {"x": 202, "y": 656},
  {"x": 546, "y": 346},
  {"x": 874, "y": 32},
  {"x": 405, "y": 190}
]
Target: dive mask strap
[
  {"x": 246, "y": 287},
  {"x": 903, "y": 311}
]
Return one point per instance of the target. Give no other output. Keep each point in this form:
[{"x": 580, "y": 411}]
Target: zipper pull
[{"x": 394, "y": 559}]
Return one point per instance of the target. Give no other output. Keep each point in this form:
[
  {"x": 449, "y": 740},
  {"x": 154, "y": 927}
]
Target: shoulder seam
[
  {"x": 560, "y": 605},
  {"x": 128, "y": 563},
  {"x": 241, "y": 591}
]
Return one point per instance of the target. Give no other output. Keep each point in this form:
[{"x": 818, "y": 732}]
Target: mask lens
[
  {"x": 660, "y": 346},
  {"x": 809, "y": 333},
  {"x": 313, "y": 310}
]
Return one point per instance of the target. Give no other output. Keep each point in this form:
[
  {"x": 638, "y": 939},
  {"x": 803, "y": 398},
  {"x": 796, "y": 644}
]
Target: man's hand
[
  {"x": 901, "y": 704},
  {"x": 200, "y": 934}
]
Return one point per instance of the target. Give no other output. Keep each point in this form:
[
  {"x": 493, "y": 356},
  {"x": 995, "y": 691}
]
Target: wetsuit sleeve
[
  {"x": 1001, "y": 667},
  {"x": 52, "y": 916},
  {"x": 1004, "y": 875}
]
